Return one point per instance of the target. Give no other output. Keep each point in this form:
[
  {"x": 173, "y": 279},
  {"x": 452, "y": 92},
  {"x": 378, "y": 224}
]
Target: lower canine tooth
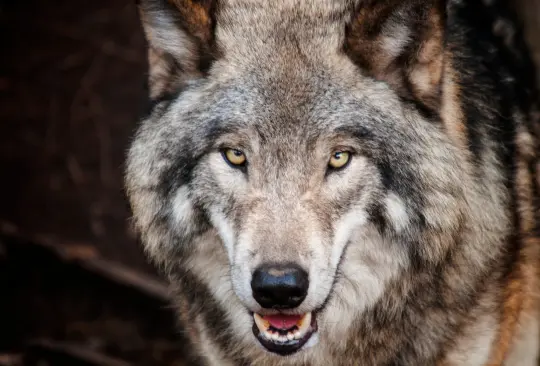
[
  {"x": 305, "y": 322},
  {"x": 261, "y": 323},
  {"x": 303, "y": 326},
  {"x": 290, "y": 336},
  {"x": 275, "y": 336}
]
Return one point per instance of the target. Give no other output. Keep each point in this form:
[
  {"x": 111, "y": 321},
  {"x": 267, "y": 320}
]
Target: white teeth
[{"x": 303, "y": 325}]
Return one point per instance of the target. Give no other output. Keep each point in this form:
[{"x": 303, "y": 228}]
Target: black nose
[{"x": 279, "y": 286}]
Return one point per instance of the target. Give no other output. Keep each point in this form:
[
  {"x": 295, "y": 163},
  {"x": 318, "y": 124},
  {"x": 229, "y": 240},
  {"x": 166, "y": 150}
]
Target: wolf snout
[{"x": 279, "y": 286}]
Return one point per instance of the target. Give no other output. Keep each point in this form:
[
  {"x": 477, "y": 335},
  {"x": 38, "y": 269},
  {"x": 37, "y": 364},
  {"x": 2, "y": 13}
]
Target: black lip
[{"x": 285, "y": 348}]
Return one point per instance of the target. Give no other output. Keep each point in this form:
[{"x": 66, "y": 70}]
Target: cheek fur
[
  {"x": 218, "y": 186},
  {"x": 352, "y": 184}
]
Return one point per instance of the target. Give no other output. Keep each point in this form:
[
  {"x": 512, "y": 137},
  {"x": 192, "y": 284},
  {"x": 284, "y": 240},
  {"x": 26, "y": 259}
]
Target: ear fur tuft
[
  {"x": 180, "y": 34},
  {"x": 401, "y": 42}
]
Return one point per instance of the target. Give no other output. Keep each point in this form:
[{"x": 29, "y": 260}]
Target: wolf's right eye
[
  {"x": 339, "y": 160},
  {"x": 234, "y": 157}
]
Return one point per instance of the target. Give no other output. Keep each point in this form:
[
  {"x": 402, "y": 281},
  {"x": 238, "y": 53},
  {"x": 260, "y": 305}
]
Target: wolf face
[{"x": 296, "y": 165}]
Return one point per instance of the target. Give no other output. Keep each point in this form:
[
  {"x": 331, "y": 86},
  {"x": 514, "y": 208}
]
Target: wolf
[{"x": 342, "y": 182}]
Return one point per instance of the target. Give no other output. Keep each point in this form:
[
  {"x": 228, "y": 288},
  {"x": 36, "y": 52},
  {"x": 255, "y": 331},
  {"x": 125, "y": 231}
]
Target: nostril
[{"x": 279, "y": 286}]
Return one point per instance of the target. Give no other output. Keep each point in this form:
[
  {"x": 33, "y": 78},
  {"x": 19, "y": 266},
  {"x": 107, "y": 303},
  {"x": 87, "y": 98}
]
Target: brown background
[{"x": 71, "y": 87}]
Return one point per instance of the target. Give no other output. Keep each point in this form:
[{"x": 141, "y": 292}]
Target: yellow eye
[
  {"x": 339, "y": 159},
  {"x": 235, "y": 157}
]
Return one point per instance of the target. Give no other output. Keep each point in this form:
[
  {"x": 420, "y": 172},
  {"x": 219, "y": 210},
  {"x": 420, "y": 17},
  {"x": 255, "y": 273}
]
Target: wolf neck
[{"x": 397, "y": 331}]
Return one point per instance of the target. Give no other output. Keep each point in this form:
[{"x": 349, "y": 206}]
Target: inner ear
[
  {"x": 180, "y": 35},
  {"x": 401, "y": 42}
]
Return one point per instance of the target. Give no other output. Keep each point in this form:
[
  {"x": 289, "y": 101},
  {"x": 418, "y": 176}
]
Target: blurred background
[{"x": 75, "y": 288}]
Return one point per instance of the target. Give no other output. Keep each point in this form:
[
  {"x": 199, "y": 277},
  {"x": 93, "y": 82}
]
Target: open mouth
[{"x": 284, "y": 334}]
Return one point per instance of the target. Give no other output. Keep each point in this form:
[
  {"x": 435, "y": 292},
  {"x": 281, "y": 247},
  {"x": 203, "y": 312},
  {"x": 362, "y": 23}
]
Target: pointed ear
[
  {"x": 180, "y": 35},
  {"x": 401, "y": 42}
]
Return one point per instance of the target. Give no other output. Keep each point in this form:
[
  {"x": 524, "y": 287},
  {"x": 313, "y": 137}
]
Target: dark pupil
[
  {"x": 237, "y": 153},
  {"x": 337, "y": 155}
]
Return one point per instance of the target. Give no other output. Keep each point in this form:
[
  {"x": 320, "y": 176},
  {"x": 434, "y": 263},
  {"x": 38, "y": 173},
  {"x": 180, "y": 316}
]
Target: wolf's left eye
[
  {"x": 234, "y": 157},
  {"x": 339, "y": 159}
]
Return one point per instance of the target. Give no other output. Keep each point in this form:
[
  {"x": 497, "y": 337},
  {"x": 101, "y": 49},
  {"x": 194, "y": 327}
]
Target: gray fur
[{"x": 405, "y": 248}]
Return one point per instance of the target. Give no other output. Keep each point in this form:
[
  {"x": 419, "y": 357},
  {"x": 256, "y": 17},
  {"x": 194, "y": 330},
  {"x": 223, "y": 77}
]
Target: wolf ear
[
  {"x": 180, "y": 35},
  {"x": 402, "y": 43}
]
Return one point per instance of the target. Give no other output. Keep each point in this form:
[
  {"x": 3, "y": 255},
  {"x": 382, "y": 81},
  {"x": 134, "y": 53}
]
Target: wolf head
[{"x": 295, "y": 160}]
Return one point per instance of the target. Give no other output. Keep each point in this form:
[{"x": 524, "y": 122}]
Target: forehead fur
[{"x": 287, "y": 31}]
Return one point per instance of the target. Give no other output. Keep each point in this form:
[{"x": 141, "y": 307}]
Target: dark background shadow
[
  {"x": 75, "y": 288},
  {"x": 72, "y": 85}
]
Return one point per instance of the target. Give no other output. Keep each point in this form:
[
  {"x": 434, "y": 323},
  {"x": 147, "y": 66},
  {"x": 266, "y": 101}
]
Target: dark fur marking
[
  {"x": 536, "y": 197},
  {"x": 179, "y": 173},
  {"x": 186, "y": 158},
  {"x": 494, "y": 63},
  {"x": 376, "y": 216}
]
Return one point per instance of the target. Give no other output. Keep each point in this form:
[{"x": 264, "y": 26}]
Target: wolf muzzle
[{"x": 282, "y": 287}]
